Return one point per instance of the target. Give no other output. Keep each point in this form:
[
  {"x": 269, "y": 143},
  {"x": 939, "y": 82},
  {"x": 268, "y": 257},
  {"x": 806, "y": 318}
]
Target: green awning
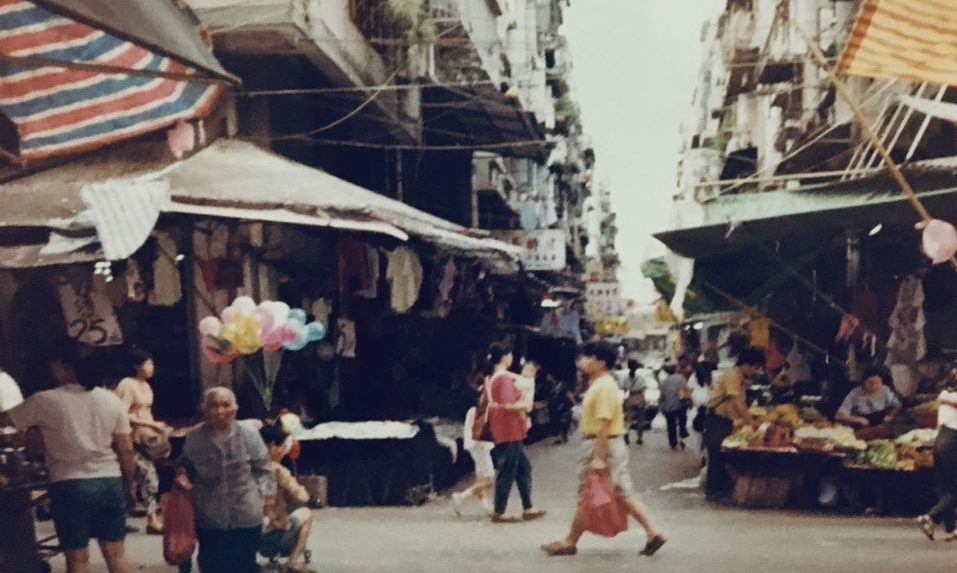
[{"x": 809, "y": 214}]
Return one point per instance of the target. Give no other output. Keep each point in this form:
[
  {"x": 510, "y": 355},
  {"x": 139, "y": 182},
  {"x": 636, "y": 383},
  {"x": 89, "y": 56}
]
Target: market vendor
[
  {"x": 726, "y": 408},
  {"x": 871, "y": 407}
]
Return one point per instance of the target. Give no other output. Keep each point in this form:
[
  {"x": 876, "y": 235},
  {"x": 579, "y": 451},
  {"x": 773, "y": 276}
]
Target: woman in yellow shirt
[{"x": 603, "y": 448}]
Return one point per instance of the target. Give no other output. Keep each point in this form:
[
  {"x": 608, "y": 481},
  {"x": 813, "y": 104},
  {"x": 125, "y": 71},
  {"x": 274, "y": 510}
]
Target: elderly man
[{"x": 229, "y": 471}]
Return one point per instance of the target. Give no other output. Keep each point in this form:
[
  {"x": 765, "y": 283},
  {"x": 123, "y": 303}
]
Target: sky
[{"x": 636, "y": 67}]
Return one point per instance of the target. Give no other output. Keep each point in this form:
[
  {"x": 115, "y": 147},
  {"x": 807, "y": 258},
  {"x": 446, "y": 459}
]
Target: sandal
[
  {"x": 502, "y": 518},
  {"x": 653, "y": 545},
  {"x": 559, "y": 549},
  {"x": 533, "y": 514},
  {"x": 926, "y": 526}
]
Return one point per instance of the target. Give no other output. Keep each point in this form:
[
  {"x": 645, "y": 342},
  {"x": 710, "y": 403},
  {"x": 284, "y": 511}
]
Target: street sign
[{"x": 603, "y": 299}]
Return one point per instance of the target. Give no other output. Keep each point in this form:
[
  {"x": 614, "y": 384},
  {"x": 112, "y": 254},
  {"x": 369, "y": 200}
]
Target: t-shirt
[
  {"x": 602, "y": 402},
  {"x": 77, "y": 427},
  {"x": 858, "y": 403},
  {"x": 632, "y": 384},
  {"x": 671, "y": 392},
  {"x": 728, "y": 388},
  {"x": 405, "y": 276},
  {"x": 946, "y": 414},
  {"x": 506, "y": 425}
]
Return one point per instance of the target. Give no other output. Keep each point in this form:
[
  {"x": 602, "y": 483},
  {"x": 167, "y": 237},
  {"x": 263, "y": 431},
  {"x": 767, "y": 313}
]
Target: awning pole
[{"x": 874, "y": 139}]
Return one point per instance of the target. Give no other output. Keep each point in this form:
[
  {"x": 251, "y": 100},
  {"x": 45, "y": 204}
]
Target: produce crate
[{"x": 762, "y": 490}]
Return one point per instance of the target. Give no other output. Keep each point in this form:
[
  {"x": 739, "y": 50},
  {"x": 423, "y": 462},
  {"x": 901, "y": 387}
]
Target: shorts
[
  {"x": 619, "y": 473},
  {"x": 281, "y": 542},
  {"x": 85, "y": 509},
  {"x": 481, "y": 453}
]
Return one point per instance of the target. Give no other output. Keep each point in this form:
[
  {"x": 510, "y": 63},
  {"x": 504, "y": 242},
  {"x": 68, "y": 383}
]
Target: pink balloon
[
  {"x": 939, "y": 240},
  {"x": 228, "y": 314},
  {"x": 266, "y": 323},
  {"x": 210, "y": 325},
  {"x": 273, "y": 340}
]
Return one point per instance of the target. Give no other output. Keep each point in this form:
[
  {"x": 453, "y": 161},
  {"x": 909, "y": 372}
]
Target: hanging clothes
[
  {"x": 372, "y": 269},
  {"x": 405, "y": 277},
  {"x": 353, "y": 262},
  {"x": 167, "y": 287},
  {"x": 799, "y": 371},
  {"x": 866, "y": 306},
  {"x": 907, "y": 344},
  {"x": 759, "y": 330},
  {"x": 347, "y": 341},
  {"x": 321, "y": 309}
]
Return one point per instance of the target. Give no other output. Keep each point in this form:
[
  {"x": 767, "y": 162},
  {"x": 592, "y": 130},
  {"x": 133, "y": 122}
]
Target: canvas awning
[
  {"x": 735, "y": 222},
  {"x": 912, "y": 40},
  {"x": 76, "y": 75},
  {"x": 106, "y": 203}
]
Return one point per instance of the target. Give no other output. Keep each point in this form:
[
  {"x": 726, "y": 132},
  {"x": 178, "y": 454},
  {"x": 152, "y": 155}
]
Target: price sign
[{"x": 89, "y": 317}]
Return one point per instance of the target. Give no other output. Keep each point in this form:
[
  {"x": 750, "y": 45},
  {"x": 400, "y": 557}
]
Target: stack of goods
[
  {"x": 880, "y": 454},
  {"x": 925, "y": 415},
  {"x": 833, "y": 437},
  {"x": 915, "y": 449}
]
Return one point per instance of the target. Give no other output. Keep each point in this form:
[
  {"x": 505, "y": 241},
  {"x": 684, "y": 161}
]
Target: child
[
  {"x": 481, "y": 452},
  {"x": 285, "y": 532}
]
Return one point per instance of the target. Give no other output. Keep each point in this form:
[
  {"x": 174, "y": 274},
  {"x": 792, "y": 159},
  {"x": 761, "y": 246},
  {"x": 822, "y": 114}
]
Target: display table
[
  {"x": 369, "y": 464},
  {"x": 902, "y": 492},
  {"x": 777, "y": 478}
]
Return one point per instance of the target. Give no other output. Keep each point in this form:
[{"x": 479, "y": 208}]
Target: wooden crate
[{"x": 762, "y": 490}]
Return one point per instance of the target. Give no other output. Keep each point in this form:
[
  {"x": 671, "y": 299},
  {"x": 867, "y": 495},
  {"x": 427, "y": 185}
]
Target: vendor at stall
[
  {"x": 871, "y": 407},
  {"x": 726, "y": 408}
]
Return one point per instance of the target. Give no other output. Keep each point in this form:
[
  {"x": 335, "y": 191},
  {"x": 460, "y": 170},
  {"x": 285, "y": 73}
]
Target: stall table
[{"x": 777, "y": 477}]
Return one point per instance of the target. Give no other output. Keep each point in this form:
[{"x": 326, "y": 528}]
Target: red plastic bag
[
  {"x": 179, "y": 528},
  {"x": 604, "y": 513}
]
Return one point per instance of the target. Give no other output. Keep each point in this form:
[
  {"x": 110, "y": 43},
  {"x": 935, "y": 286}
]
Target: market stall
[{"x": 796, "y": 458}]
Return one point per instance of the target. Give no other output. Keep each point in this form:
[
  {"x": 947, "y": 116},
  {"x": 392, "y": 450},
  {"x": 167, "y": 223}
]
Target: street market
[{"x": 295, "y": 286}]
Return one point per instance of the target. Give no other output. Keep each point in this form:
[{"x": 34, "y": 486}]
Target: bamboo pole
[{"x": 874, "y": 139}]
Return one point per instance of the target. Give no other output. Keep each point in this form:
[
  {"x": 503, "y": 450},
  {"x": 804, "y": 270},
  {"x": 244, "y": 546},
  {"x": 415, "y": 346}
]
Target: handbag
[
  {"x": 179, "y": 529},
  {"x": 601, "y": 509}
]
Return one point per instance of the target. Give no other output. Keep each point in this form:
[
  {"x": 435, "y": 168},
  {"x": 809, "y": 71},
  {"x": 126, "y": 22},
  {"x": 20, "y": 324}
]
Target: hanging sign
[
  {"x": 603, "y": 299},
  {"x": 544, "y": 249},
  {"x": 89, "y": 317}
]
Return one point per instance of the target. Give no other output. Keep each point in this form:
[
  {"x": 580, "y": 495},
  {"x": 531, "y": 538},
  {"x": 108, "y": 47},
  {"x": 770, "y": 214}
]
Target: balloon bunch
[{"x": 244, "y": 328}]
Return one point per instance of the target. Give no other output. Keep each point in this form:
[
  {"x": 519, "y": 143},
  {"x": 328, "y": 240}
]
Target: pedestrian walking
[
  {"x": 478, "y": 444},
  {"x": 603, "y": 449},
  {"x": 150, "y": 437},
  {"x": 945, "y": 466},
  {"x": 507, "y": 424},
  {"x": 636, "y": 404},
  {"x": 227, "y": 467},
  {"x": 89, "y": 456},
  {"x": 728, "y": 405},
  {"x": 675, "y": 400}
]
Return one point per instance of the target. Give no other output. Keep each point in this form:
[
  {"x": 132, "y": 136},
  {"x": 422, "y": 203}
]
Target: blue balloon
[
  {"x": 316, "y": 331},
  {"x": 302, "y": 339},
  {"x": 298, "y": 315}
]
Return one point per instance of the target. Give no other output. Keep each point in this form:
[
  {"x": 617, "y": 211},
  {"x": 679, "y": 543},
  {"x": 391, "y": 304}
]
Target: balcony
[{"x": 468, "y": 48}]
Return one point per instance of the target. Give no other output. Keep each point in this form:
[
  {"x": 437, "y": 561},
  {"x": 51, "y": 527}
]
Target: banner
[
  {"x": 544, "y": 249},
  {"x": 603, "y": 299}
]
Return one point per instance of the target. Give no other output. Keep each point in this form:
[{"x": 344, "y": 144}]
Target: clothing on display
[
  {"x": 346, "y": 345},
  {"x": 167, "y": 288},
  {"x": 759, "y": 330},
  {"x": 353, "y": 265},
  {"x": 907, "y": 343},
  {"x": 405, "y": 277},
  {"x": 372, "y": 261}
]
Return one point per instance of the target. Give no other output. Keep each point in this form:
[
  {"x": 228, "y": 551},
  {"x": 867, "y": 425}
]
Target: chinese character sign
[
  {"x": 89, "y": 316},
  {"x": 603, "y": 299},
  {"x": 544, "y": 250}
]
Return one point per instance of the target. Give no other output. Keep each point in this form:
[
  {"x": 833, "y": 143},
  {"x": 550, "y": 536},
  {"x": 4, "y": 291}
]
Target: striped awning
[
  {"x": 69, "y": 86},
  {"x": 914, "y": 40}
]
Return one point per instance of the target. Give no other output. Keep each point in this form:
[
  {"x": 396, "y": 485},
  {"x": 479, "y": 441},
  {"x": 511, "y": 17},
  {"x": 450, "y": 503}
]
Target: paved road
[{"x": 702, "y": 537}]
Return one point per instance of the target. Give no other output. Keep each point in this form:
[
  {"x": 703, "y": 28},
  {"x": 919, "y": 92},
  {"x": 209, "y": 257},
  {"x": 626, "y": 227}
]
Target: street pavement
[{"x": 702, "y": 537}]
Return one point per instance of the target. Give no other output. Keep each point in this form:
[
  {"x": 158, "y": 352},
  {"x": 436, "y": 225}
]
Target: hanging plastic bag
[
  {"x": 603, "y": 512},
  {"x": 179, "y": 530}
]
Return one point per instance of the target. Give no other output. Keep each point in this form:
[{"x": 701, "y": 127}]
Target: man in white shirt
[{"x": 89, "y": 455}]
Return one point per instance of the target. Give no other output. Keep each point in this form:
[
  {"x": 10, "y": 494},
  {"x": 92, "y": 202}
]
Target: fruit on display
[
  {"x": 743, "y": 437},
  {"x": 879, "y": 454}
]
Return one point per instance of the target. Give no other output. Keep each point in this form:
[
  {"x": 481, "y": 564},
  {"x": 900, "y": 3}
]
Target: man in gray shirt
[
  {"x": 673, "y": 389},
  {"x": 227, "y": 467}
]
